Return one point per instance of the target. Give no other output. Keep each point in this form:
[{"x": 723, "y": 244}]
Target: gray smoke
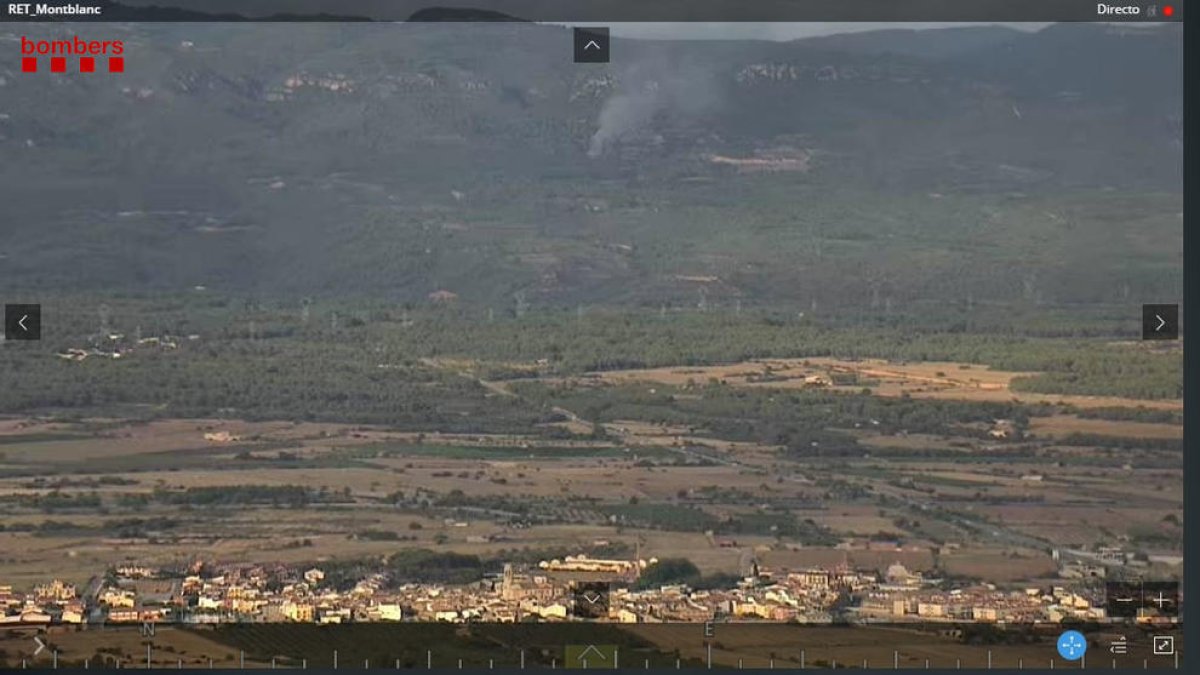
[
  {"x": 646, "y": 90},
  {"x": 622, "y": 115}
]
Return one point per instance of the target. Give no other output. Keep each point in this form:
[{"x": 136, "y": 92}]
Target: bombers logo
[{"x": 84, "y": 52}]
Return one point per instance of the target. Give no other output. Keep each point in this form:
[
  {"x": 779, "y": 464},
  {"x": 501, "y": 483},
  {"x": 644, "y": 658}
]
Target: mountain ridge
[{"x": 405, "y": 159}]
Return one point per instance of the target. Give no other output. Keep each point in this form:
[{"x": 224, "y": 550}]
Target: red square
[
  {"x": 58, "y": 64},
  {"x": 29, "y": 64},
  {"x": 87, "y": 64},
  {"x": 116, "y": 64}
]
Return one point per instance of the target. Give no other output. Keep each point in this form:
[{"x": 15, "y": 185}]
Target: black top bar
[{"x": 608, "y": 11}]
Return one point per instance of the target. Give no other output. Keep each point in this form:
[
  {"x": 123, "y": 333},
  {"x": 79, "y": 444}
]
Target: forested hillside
[{"x": 892, "y": 171}]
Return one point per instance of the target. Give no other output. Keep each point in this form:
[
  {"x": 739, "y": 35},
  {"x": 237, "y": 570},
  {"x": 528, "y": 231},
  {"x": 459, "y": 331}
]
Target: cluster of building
[
  {"x": 985, "y": 604},
  {"x": 55, "y": 602},
  {"x": 117, "y": 345},
  {"x": 554, "y": 590}
]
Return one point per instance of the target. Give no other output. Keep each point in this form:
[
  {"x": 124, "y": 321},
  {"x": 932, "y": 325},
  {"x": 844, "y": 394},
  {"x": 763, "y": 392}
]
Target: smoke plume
[{"x": 645, "y": 91}]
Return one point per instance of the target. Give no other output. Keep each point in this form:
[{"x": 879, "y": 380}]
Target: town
[{"x": 569, "y": 589}]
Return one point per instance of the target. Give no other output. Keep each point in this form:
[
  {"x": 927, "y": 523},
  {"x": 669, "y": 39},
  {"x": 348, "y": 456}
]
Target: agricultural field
[
  {"x": 667, "y": 464},
  {"x": 935, "y": 380},
  {"x": 788, "y": 460},
  {"x": 784, "y": 646},
  {"x": 413, "y": 646}
]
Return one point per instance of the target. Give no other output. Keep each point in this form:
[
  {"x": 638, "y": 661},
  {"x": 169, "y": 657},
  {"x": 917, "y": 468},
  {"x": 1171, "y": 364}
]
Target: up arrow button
[{"x": 591, "y": 45}]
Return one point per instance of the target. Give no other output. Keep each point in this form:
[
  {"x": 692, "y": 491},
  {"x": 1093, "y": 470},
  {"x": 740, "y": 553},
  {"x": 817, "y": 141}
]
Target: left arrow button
[{"x": 22, "y": 322}]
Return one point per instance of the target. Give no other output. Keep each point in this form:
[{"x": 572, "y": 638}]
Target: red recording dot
[
  {"x": 58, "y": 64},
  {"x": 116, "y": 64},
  {"x": 28, "y": 64},
  {"x": 87, "y": 64},
  {"x": 1168, "y": 10}
]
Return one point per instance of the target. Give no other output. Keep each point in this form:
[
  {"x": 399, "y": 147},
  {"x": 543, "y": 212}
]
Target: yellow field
[
  {"x": 761, "y": 646},
  {"x": 1058, "y": 426},
  {"x": 930, "y": 379},
  {"x": 732, "y": 645},
  {"x": 168, "y": 649}
]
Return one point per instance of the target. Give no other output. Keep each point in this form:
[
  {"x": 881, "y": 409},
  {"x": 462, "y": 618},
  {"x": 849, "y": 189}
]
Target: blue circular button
[{"x": 1072, "y": 645}]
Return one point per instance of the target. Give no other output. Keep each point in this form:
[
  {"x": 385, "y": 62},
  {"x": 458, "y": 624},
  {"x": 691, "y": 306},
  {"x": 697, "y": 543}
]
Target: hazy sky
[
  {"x": 399, "y": 9},
  {"x": 773, "y": 31}
]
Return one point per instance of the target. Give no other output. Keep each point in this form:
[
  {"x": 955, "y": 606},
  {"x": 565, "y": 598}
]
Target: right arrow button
[{"x": 1160, "y": 322}]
